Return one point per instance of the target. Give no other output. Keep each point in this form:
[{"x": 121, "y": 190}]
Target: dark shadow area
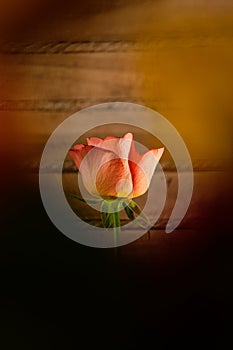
[
  {"x": 24, "y": 19},
  {"x": 55, "y": 292}
]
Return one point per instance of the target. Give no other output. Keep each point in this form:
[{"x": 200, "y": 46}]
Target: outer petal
[
  {"x": 103, "y": 173},
  {"x": 142, "y": 168},
  {"x": 119, "y": 145},
  {"x": 97, "y": 142},
  {"x": 78, "y": 152}
]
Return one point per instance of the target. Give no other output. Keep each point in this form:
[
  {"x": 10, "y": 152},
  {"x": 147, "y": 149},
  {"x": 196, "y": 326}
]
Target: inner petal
[
  {"x": 110, "y": 174},
  {"x": 124, "y": 188}
]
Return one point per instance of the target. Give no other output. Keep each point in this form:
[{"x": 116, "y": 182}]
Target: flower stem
[
  {"x": 110, "y": 215},
  {"x": 116, "y": 227}
]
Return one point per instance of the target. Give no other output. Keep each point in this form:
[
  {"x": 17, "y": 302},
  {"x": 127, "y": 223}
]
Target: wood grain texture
[
  {"x": 33, "y": 127},
  {"x": 172, "y": 56},
  {"x": 60, "y": 83},
  {"x": 57, "y": 57},
  {"x": 128, "y": 20},
  {"x": 67, "y": 47},
  {"x": 92, "y": 75}
]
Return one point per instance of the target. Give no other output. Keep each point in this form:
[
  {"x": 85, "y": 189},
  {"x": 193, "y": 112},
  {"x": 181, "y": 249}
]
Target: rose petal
[
  {"x": 97, "y": 142},
  {"x": 119, "y": 145},
  {"x": 103, "y": 173},
  {"x": 142, "y": 168},
  {"x": 114, "y": 179},
  {"x": 106, "y": 170},
  {"x": 78, "y": 152}
]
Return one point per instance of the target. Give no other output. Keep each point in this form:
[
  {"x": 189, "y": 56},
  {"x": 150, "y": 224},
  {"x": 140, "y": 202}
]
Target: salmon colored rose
[
  {"x": 113, "y": 168},
  {"x": 115, "y": 172}
]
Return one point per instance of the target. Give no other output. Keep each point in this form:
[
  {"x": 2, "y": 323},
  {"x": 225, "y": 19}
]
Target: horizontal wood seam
[
  {"x": 71, "y": 47},
  {"x": 60, "y": 105}
]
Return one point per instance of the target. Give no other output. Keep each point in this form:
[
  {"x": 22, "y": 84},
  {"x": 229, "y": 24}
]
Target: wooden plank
[
  {"x": 71, "y": 47},
  {"x": 181, "y": 73},
  {"x": 93, "y": 75},
  {"x": 33, "y": 128},
  {"x": 88, "y": 46},
  {"x": 69, "y": 105},
  {"x": 121, "y": 21}
]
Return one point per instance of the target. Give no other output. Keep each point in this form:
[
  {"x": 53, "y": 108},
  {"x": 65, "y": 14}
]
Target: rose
[{"x": 112, "y": 168}]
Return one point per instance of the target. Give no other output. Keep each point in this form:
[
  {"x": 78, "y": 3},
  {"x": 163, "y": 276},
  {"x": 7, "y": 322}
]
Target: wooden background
[{"x": 174, "y": 56}]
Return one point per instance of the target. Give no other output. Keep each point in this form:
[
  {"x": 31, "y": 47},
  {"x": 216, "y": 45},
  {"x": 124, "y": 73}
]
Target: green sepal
[
  {"x": 129, "y": 213},
  {"x": 134, "y": 212},
  {"x": 82, "y": 199},
  {"x": 110, "y": 219},
  {"x": 106, "y": 217}
]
